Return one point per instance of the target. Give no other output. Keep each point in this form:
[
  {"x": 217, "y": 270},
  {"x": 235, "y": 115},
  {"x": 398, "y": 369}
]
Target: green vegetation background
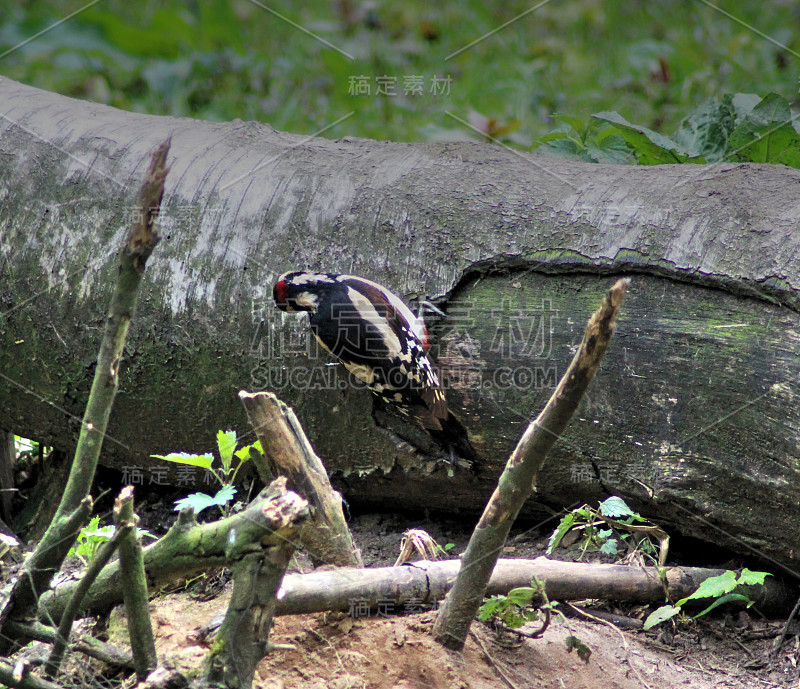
[{"x": 652, "y": 62}]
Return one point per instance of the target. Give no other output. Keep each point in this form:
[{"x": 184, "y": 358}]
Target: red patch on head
[{"x": 279, "y": 293}]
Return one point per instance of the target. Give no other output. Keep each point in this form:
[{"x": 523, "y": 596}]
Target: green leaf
[
  {"x": 743, "y": 104},
  {"x": 660, "y": 615},
  {"x": 561, "y": 147},
  {"x": 706, "y": 129},
  {"x": 615, "y": 508},
  {"x": 579, "y": 125},
  {"x": 491, "y": 607},
  {"x": 573, "y": 643},
  {"x": 610, "y": 149},
  {"x": 522, "y": 595},
  {"x": 563, "y": 527},
  {"x": 200, "y": 501},
  {"x": 225, "y": 494},
  {"x": 609, "y": 547},
  {"x": 226, "y": 442},
  {"x": 103, "y": 534},
  {"x": 245, "y": 453},
  {"x": 767, "y": 135},
  {"x": 729, "y": 598},
  {"x": 649, "y": 147},
  {"x": 203, "y": 461},
  {"x": 748, "y": 578},
  {"x": 714, "y": 587}
]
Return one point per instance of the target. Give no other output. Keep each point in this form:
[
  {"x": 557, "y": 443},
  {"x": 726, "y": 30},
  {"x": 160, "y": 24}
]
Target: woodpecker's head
[{"x": 299, "y": 290}]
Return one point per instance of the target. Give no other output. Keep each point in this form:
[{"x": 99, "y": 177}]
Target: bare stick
[
  {"x": 327, "y": 539},
  {"x": 776, "y": 645},
  {"x": 20, "y": 676},
  {"x": 518, "y": 480},
  {"x": 133, "y": 580},
  {"x": 49, "y": 554},
  {"x": 106, "y": 653},
  {"x": 244, "y": 635},
  {"x": 100, "y": 560}
]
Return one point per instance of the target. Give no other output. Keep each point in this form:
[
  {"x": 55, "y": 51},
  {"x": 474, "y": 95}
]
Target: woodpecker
[{"x": 381, "y": 342}]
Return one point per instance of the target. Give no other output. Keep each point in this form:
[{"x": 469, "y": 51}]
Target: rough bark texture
[
  {"x": 519, "y": 478},
  {"x": 243, "y": 638},
  {"x": 693, "y": 417},
  {"x": 189, "y": 548},
  {"x": 327, "y": 538},
  {"x": 425, "y": 583}
]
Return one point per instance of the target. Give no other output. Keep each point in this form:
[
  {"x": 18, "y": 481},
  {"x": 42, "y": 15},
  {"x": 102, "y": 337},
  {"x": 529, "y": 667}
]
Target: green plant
[
  {"x": 221, "y": 60},
  {"x": 92, "y": 536},
  {"x": 738, "y": 127},
  {"x": 515, "y": 608},
  {"x": 610, "y": 526},
  {"x": 590, "y": 141},
  {"x": 225, "y": 474},
  {"x": 728, "y": 587}
]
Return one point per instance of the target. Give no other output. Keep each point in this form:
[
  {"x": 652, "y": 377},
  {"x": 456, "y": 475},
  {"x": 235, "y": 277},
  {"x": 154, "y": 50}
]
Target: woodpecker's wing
[
  {"x": 417, "y": 323},
  {"x": 361, "y": 326}
]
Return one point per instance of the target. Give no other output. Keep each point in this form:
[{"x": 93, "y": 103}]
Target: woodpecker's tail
[{"x": 454, "y": 439}]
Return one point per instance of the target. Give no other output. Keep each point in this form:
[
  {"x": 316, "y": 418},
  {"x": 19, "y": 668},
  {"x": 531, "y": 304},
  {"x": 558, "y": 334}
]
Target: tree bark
[
  {"x": 243, "y": 638},
  {"x": 133, "y": 582},
  {"x": 426, "y": 583},
  {"x": 519, "y": 479},
  {"x": 694, "y": 416},
  {"x": 327, "y": 538},
  {"x": 189, "y": 548}
]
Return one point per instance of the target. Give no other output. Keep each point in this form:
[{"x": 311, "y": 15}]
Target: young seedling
[
  {"x": 728, "y": 587},
  {"x": 92, "y": 535},
  {"x": 610, "y": 526},
  {"x": 225, "y": 473}
]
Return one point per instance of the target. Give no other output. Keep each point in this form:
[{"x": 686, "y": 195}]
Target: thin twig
[
  {"x": 779, "y": 641},
  {"x": 627, "y": 658},
  {"x": 493, "y": 662},
  {"x": 100, "y": 560}
]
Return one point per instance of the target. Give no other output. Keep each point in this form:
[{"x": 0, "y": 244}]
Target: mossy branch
[
  {"x": 134, "y": 586},
  {"x": 188, "y": 548},
  {"x": 518, "y": 480},
  {"x": 49, "y": 554},
  {"x": 243, "y": 638},
  {"x": 100, "y": 560}
]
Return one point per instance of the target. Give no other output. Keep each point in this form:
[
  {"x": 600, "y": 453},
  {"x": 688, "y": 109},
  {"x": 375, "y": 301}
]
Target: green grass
[{"x": 219, "y": 60}]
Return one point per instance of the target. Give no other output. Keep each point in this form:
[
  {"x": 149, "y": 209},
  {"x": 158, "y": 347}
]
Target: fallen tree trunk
[
  {"x": 426, "y": 583},
  {"x": 694, "y": 410}
]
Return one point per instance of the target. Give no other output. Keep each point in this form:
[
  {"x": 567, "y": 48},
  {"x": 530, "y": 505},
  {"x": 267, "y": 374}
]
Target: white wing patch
[
  {"x": 417, "y": 323},
  {"x": 367, "y": 311},
  {"x": 365, "y": 373}
]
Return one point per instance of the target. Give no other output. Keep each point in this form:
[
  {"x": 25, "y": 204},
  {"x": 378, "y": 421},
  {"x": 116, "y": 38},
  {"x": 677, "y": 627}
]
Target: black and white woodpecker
[{"x": 380, "y": 341}]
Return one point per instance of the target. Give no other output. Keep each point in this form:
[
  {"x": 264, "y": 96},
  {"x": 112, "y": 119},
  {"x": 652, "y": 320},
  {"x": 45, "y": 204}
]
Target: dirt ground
[
  {"x": 339, "y": 652},
  {"x": 333, "y": 650}
]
